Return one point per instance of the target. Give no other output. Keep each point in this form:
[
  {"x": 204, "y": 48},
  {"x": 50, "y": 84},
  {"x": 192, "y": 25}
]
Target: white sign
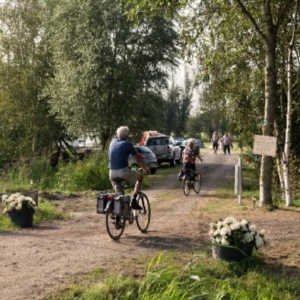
[{"x": 265, "y": 145}]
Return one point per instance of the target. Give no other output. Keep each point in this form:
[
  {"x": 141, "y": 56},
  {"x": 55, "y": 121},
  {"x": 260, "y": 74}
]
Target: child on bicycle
[{"x": 189, "y": 155}]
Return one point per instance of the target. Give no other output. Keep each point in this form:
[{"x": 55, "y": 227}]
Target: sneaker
[
  {"x": 135, "y": 205},
  {"x": 118, "y": 223},
  {"x": 180, "y": 176},
  {"x": 119, "y": 226}
]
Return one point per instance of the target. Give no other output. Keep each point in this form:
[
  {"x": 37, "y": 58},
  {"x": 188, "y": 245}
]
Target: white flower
[
  {"x": 266, "y": 240},
  {"x": 220, "y": 224},
  {"x": 219, "y": 240},
  {"x": 259, "y": 242},
  {"x": 18, "y": 202},
  {"x": 217, "y": 232},
  {"x": 229, "y": 220},
  {"x": 18, "y": 206},
  {"x": 248, "y": 237},
  {"x": 211, "y": 232},
  {"x": 233, "y": 232},
  {"x": 235, "y": 226},
  {"x": 263, "y": 232},
  {"x": 243, "y": 225},
  {"x": 225, "y": 231},
  {"x": 224, "y": 241},
  {"x": 12, "y": 205},
  {"x": 4, "y": 197}
]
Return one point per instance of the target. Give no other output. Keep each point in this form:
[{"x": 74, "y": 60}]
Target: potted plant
[
  {"x": 234, "y": 240},
  {"x": 19, "y": 208}
]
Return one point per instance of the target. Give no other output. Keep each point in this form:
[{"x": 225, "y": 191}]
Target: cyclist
[
  {"x": 118, "y": 152},
  {"x": 189, "y": 155}
]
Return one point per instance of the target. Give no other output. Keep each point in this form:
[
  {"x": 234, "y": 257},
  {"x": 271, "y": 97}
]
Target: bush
[{"x": 90, "y": 173}]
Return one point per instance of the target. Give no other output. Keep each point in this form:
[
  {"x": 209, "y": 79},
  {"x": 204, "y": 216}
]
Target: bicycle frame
[
  {"x": 187, "y": 173},
  {"x": 116, "y": 219}
]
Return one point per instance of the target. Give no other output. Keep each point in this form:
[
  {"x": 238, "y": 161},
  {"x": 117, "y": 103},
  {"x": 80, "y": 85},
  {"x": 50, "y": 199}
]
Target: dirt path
[{"x": 33, "y": 260}]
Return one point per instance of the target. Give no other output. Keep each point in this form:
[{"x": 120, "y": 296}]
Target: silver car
[{"x": 147, "y": 156}]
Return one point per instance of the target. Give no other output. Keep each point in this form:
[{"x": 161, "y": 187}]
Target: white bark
[{"x": 287, "y": 144}]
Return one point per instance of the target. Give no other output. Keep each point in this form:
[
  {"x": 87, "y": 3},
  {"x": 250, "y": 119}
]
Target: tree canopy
[{"x": 108, "y": 70}]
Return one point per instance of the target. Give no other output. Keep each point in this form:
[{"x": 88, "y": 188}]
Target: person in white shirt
[
  {"x": 227, "y": 143},
  {"x": 215, "y": 142}
]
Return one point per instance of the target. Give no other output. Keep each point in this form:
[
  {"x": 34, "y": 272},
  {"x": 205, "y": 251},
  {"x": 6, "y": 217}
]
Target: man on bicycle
[{"x": 118, "y": 152}]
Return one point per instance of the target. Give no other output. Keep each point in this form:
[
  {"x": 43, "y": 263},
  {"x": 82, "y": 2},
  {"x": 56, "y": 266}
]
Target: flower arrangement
[
  {"x": 18, "y": 202},
  {"x": 232, "y": 232}
]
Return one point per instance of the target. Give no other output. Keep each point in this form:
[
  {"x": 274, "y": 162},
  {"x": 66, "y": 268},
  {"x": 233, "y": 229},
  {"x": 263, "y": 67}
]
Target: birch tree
[{"x": 285, "y": 156}]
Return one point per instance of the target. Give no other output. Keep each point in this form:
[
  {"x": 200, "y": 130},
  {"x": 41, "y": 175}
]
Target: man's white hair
[{"x": 123, "y": 132}]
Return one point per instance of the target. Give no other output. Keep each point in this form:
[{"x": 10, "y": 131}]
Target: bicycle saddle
[{"x": 118, "y": 179}]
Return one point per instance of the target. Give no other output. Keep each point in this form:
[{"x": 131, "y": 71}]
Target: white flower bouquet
[
  {"x": 233, "y": 233},
  {"x": 18, "y": 202}
]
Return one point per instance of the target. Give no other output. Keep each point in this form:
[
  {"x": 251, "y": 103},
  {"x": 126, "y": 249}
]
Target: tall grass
[
  {"x": 88, "y": 174},
  {"x": 91, "y": 173},
  {"x": 200, "y": 278}
]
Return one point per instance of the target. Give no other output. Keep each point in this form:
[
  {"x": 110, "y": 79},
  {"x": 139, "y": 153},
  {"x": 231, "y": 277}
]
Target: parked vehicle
[
  {"x": 147, "y": 156},
  {"x": 165, "y": 149},
  {"x": 179, "y": 140},
  {"x": 197, "y": 142}
]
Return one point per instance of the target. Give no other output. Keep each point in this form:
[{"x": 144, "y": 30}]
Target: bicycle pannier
[
  {"x": 121, "y": 205},
  {"x": 101, "y": 203}
]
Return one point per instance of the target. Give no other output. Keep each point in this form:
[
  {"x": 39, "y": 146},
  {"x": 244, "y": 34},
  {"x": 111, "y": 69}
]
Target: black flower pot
[
  {"x": 22, "y": 218},
  {"x": 233, "y": 254}
]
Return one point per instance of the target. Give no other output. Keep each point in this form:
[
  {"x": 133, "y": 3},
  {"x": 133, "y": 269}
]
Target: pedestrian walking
[
  {"x": 215, "y": 142},
  {"x": 227, "y": 143}
]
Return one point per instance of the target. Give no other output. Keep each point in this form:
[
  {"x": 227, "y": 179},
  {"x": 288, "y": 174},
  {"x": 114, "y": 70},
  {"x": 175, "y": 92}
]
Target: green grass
[
  {"x": 172, "y": 276},
  {"x": 166, "y": 277},
  {"x": 194, "y": 275}
]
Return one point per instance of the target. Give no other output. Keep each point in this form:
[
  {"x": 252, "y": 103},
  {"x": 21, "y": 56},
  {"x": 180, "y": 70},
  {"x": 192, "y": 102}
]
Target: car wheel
[
  {"x": 152, "y": 171},
  {"x": 172, "y": 161}
]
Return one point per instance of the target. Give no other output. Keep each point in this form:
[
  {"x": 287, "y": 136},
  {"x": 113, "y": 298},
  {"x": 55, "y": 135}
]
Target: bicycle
[
  {"x": 191, "y": 179},
  {"x": 117, "y": 208}
]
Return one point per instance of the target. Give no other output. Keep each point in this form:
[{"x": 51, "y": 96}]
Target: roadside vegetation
[
  {"x": 193, "y": 275},
  {"x": 60, "y": 83},
  {"x": 90, "y": 175},
  {"x": 38, "y": 174},
  {"x": 85, "y": 177},
  {"x": 169, "y": 276}
]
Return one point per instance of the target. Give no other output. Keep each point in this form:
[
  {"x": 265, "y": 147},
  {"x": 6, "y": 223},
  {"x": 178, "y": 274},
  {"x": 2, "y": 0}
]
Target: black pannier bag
[
  {"x": 121, "y": 205},
  {"x": 102, "y": 200}
]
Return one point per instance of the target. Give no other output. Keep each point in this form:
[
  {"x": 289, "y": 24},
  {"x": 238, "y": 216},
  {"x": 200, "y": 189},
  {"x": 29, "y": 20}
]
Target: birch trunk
[
  {"x": 287, "y": 144},
  {"x": 265, "y": 180}
]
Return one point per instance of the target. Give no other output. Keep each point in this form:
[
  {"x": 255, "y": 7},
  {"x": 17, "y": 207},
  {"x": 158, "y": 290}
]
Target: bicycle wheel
[
  {"x": 115, "y": 225},
  {"x": 143, "y": 215},
  {"x": 186, "y": 186},
  {"x": 197, "y": 183}
]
